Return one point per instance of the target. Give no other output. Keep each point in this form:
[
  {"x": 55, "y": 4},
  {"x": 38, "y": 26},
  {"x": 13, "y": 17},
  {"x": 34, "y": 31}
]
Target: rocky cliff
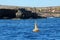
[{"x": 8, "y": 12}]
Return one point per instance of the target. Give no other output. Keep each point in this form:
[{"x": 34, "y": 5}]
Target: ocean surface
[{"x": 22, "y": 29}]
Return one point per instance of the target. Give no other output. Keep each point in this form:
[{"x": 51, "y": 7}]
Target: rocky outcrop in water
[{"x": 9, "y": 12}]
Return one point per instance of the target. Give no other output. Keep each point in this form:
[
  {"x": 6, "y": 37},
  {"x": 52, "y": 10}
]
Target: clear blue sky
[{"x": 31, "y": 3}]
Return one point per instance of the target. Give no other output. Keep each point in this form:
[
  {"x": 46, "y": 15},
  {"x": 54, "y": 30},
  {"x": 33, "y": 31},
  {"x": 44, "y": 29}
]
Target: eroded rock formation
[{"x": 9, "y": 12}]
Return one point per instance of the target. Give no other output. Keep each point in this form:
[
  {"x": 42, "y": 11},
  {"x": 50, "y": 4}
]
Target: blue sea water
[{"x": 22, "y": 29}]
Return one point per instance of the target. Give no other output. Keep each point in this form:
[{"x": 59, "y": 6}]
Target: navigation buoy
[{"x": 35, "y": 28}]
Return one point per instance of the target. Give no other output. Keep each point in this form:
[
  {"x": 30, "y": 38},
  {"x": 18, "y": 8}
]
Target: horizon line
[{"x": 29, "y": 6}]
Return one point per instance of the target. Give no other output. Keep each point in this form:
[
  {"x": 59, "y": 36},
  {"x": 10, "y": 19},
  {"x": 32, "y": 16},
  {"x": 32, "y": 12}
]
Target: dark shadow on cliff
[
  {"x": 7, "y": 13},
  {"x": 11, "y": 14},
  {"x": 28, "y": 14}
]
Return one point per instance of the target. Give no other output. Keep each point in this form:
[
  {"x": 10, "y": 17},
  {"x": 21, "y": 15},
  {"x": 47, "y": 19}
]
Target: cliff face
[{"x": 8, "y": 12}]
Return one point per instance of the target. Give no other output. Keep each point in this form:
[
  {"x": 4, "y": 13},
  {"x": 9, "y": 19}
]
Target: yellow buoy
[{"x": 35, "y": 28}]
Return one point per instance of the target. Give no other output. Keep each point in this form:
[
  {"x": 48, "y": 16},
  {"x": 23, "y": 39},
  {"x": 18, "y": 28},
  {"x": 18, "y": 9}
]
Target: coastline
[{"x": 17, "y": 12}]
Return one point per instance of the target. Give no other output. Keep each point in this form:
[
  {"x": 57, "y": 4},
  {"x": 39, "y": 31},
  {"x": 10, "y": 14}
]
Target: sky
[{"x": 31, "y": 3}]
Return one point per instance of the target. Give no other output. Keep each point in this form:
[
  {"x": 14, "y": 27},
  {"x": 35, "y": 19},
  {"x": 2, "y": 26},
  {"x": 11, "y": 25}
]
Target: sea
[{"x": 49, "y": 29}]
